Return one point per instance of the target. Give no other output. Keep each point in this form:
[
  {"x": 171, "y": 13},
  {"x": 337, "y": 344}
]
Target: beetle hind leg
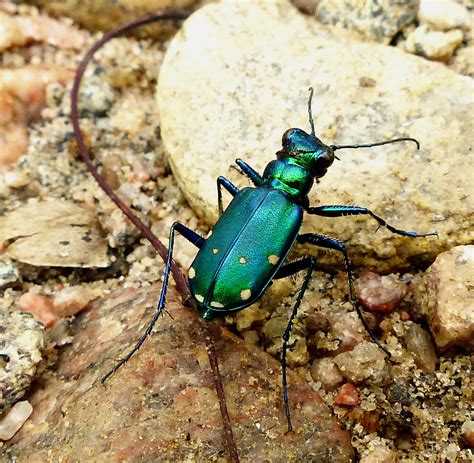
[
  {"x": 195, "y": 239},
  {"x": 307, "y": 263}
]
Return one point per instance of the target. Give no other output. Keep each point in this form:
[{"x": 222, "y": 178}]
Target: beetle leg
[
  {"x": 341, "y": 211},
  {"x": 229, "y": 186},
  {"x": 285, "y": 271},
  {"x": 252, "y": 174},
  {"x": 333, "y": 243},
  {"x": 195, "y": 239}
]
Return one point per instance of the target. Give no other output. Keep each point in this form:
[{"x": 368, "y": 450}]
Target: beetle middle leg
[
  {"x": 341, "y": 211},
  {"x": 195, "y": 239},
  {"x": 333, "y": 243},
  {"x": 286, "y": 271}
]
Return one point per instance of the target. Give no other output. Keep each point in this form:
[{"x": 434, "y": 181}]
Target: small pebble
[
  {"x": 347, "y": 396},
  {"x": 326, "y": 372},
  {"x": 41, "y": 307},
  {"x": 443, "y": 15},
  {"x": 251, "y": 337},
  {"x": 380, "y": 293},
  {"x": 366, "y": 362},
  {"x": 468, "y": 433},
  {"x": 380, "y": 454},
  {"x": 16, "y": 179},
  {"x": 433, "y": 44},
  {"x": 317, "y": 322},
  {"x": 96, "y": 96},
  {"x": 420, "y": 345},
  {"x": 71, "y": 300},
  {"x": 9, "y": 274},
  {"x": 15, "y": 419},
  {"x": 348, "y": 330}
]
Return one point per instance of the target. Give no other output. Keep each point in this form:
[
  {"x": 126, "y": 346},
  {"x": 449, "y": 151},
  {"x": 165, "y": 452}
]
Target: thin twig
[
  {"x": 180, "y": 279},
  {"x": 211, "y": 353}
]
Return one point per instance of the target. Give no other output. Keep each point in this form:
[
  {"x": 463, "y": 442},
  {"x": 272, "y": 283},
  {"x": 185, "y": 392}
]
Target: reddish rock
[
  {"x": 41, "y": 307},
  {"x": 162, "y": 406},
  {"x": 347, "y": 396},
  {"x": 380, "y": 293},
  {"x": 446, "y": 298}
]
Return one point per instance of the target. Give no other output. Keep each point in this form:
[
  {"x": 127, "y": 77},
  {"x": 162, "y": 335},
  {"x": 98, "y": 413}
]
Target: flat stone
[
  {"x": 106, "y": 15},
  {"x": 447, "y": 299},
  {"x": 375, "y": 19},
  {"x": 162, "y": 406},
  {"x": 235, "y": 100}
]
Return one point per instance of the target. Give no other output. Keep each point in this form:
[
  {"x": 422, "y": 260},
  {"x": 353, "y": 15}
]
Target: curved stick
[
  {"x": 180, "y": 279},
  {"x": 181, "y": 284}
]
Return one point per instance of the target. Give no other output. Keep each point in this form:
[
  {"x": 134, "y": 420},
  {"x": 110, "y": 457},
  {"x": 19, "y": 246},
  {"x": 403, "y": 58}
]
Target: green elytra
[{"x": 250, "y": 242}]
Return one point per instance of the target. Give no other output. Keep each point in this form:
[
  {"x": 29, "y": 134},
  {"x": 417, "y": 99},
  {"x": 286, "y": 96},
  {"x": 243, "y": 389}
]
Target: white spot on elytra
[
  {"x": 215, "y": 250},
  {"x": 209, "y": 234},
  {"x": 199, "y": 298},
  {"x": 217, "y": 305},
  {"x": 243, "y": 260},
  {"x": 245, "y": 294},
  {"x": 191, "y": 273},
  {"x": 273, "y": 259}
]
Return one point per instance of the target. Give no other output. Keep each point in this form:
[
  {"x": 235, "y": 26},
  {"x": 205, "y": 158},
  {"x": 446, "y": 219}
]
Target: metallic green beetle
[{"x": 249, "y": 244}]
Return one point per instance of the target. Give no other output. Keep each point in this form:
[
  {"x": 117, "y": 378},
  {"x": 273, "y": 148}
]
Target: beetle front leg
[
  {"x": 195, "y": 239},
  {"x": 248, "y": 171},
  {"x": 229, "y": 186},
  {"x": 342, "y": 211},
  {"x": 333, "y": 243},
  {"x": 285, "y": 271}
]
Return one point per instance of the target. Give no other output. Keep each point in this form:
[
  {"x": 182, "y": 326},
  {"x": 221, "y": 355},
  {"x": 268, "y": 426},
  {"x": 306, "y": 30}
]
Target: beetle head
[{"x": 307, "y": 150}]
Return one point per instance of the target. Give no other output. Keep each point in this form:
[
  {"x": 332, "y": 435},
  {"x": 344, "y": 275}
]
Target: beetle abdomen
[{"x": 246, "y": 248}]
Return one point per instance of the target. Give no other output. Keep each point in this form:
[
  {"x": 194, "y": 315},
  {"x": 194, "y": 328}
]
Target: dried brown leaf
[{"x": 54, "y": 233}]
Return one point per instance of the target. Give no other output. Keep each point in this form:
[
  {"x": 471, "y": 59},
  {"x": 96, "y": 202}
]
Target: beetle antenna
[
  {"x": 310, "y": 111},
  {"x": 370, "y": 145}
]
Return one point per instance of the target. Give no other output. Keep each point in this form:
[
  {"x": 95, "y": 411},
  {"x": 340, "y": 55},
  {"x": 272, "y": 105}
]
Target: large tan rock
[{"x": 236, "y": 77}]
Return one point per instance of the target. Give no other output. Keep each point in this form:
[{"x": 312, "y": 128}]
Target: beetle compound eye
[
  {"x": 288, "y": 136},
  {"x": 324, "y": 161}
]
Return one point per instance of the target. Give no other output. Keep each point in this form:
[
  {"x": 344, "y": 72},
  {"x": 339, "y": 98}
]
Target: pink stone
[
  {"x": 347, "y": 395},
  {"x": 41, "y": 307},
  {"x": 380, "y": 293}
]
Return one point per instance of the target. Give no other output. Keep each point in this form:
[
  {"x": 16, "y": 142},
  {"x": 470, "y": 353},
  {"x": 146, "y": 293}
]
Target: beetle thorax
[{"x": 287, "y": 175}]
